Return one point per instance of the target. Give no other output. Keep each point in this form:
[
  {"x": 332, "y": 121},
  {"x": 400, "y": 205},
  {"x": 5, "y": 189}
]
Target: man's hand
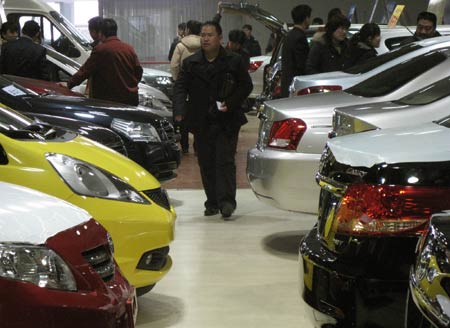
[
  {"x": 223, "y": 107},
  {"x": 178, "y": 118}
]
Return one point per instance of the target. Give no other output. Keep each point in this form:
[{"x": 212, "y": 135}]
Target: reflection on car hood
[
  {"x": 156, "y": 72},
  {"x": 151, "y": 91},
  {"x": 322, "y": 76},
  {"x": 29, "y": 216},
  {"x": 420, "y": 143}
]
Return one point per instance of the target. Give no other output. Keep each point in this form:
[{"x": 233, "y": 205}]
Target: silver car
[
  {"x": 425, "y": 105},
  {"x": 293, "y": 131},
  {"x": 341, "y": 80}
]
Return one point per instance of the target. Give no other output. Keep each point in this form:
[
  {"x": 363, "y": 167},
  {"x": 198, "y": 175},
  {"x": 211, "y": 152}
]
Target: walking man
[
  {"x": 113, "y": 68},
  {"x": 216, "y": 82}
]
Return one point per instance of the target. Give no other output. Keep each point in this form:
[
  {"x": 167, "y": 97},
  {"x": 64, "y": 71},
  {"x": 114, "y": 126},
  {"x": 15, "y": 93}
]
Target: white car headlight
[
  {"x": 136, "y": 131},
  {"x": 88, "y": 180},
  {"x": 35, "y": 264}
]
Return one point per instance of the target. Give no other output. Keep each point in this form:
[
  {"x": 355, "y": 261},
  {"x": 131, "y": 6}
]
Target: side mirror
[{"x": 3, "y": 156}]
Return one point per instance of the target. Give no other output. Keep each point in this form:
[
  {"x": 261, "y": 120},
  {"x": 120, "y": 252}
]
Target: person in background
[
  {"x": 321, "y": 29},
  {"x": 112, "y": 68},
  {"x": 425, "y": 29},
  {"x": 251, "y": 45},
  {"x": 216, "y": 82},
  {"x": 94, "y": 29},
  {"x": 363, "y": 44},
  {"x": 295, "y": 48},
  {"x": 9, "y": 31},
  {"x": 24, "y": 56},
  {"x": 236, "y": 39},
  {"x": 271, "y": 43},
  {"x": 317, "y": 21},
  {"x": 185, "y": 48},
  {"x": 329, "y": 52},
  {"x": 180, "y": 35}
]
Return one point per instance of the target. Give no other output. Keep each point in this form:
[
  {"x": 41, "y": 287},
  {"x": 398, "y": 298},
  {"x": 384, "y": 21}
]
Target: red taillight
[
  {"x": 318, "y": 89},
  {"x": 389, "y": 210},
  {"x": 254, "y": 65},
  {"x": 286, "y": 134}
]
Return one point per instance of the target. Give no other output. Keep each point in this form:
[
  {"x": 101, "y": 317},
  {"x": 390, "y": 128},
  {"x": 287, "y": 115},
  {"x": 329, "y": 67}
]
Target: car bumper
[
  {"x": 284, "y": 179},
  {"x": 355, "y": 291},
  {"x": 141, "y": 233},
  {"x": 27, "y": 305}
]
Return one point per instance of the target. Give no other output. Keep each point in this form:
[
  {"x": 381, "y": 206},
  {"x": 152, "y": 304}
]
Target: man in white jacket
[{"x": 186, "y": 47}]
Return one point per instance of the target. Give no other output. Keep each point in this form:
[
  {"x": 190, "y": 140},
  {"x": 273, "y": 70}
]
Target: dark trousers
[
  {"x": 216, "y": 150},
  {"x": 184, "y": 136}
]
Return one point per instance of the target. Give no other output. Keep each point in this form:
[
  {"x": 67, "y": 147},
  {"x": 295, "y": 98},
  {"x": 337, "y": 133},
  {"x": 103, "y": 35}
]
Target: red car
[
  {"x": 57, "y": 267},
  {"x": 42, "y": 87}
]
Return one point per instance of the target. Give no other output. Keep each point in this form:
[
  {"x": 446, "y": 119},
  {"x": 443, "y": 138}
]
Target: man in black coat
[
  {"x": 295, "y": 48},
  {"x": 425, "y": 29},
  {"x": 24, "y": 57},
  {"x": 216, "y": 82},
  {"x": 251, "y": 45}
]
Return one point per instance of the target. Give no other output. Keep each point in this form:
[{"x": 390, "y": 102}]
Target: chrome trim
[{"x": 331, "y": 185}]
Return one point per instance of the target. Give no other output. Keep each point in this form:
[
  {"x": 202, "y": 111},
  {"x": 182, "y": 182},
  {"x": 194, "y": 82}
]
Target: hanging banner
[{"x": 395, "y": 16}]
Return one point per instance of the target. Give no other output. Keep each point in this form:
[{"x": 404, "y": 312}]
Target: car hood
[
  {"x": 151, "y": 91},
  {"x": 322, "y": 76},
  {"x": 95, "y": 105},
  {"x": 29, "y": 216},
  {"x": 267, "y": 19},
  {"x": 396, "y": 145},
  {"x": 156, "y": 72},
  {"x": 316, "y": 104}
]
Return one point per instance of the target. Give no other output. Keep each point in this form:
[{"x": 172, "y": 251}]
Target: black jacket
[
  {"x": 23, "y": 57},
  {"x": 252, "y": 46},
  {"x": 203, "y": 83},
  {"x": 324, "y": 57},
  {"x": 295, "y": 52},
  {"x": 359, "y": 53}
]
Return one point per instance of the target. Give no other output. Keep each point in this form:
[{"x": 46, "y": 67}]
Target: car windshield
[
  {"x": 80, "y": 38},
  {"x": 427, "y": 95},
  {"x": 397, "y": 76},
  {"x": 381, "y": 59}
]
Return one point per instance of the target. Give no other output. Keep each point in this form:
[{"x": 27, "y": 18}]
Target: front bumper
[
  {"x": 284, "y": 179},
  {"x": 136, "y": 230},
  {"x": 365, "y": 289}
]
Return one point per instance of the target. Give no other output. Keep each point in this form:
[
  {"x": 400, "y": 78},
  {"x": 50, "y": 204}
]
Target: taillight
[
  {"x": 318, "y": 89},
  {"x": 286, "y": 134},
  {"x": 389, "y": 210},
  {"x": 254, "y": 65}
]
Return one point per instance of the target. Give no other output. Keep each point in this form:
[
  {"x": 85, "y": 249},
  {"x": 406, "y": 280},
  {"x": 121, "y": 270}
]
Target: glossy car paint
[
  {"x": 429, "y": 277},
  {"x": 135, "y": 228},
  {"x": 362, "y": 280},
  {"x": 31, "y": 217},
  {"x": 346, "y": 80},
  {"x": 285, "y": 179}
]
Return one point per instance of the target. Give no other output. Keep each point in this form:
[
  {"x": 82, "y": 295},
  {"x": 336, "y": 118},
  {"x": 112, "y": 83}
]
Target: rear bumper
[
  {"x": 284, "y": 179},
  {"x": 367, "y": 289}
]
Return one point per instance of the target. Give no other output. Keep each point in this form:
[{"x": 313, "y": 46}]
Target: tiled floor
[{"x": 238, "y": 273}]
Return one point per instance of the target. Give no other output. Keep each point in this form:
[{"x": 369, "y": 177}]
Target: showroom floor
[{"x": 239, "y": 273}]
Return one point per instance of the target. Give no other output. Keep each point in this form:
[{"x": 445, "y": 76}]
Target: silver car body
[
  {"x": 285, "y": 178},
  {"x": 258, "y": 74},
  {"x": 425, "y": 105},
  {"x": 346, "y": 80}
]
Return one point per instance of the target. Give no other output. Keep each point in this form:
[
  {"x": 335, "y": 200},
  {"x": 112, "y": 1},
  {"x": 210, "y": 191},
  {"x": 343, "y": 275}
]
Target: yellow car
[{"x": 120, "y": 194}]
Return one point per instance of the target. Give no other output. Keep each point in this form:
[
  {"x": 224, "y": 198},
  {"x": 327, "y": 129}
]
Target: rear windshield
[
  {"x": 397, "y": 76},
  {"x": 381, "y": 59},
  {"x": 427, "y": 95}
]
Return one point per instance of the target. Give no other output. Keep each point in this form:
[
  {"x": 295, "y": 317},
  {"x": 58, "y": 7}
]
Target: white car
[{"x": 293, "y": 131}]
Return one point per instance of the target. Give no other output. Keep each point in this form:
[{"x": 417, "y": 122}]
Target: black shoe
[
  {"x": 211, "y": 211},
  {"x": 226, "y": 210}
]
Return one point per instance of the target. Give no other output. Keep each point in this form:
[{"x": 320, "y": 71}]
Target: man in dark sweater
[{"x": 295, "y": 48}]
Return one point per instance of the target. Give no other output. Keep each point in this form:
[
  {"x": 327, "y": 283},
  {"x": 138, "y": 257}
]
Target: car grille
[
  {"x": 101, "y": 261},
  {"x": 166, "y": 131},
  {"x": 118, "y": 147},
  {"x": 159, "y": 196}
]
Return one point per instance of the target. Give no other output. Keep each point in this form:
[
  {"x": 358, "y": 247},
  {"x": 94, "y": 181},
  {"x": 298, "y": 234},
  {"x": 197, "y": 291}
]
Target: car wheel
[{"x": 144, "y": 290}]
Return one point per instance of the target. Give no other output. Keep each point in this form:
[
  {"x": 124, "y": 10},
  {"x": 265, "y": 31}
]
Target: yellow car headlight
[{"x": 88, "y": 180}]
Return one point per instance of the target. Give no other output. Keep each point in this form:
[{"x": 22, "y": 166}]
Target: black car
[
  {"x": 149, "y": 139},
  {"x": 378, "y": 191},
  {"x": 429, "y": 283}
]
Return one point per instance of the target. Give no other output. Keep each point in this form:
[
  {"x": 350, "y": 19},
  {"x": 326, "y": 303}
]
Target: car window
[
  {"x": 381, "y": 59},
  {"x": 429, "y": 94},
  {"x": 394, "y": 77},
  {"x": 393, "y": 43}
]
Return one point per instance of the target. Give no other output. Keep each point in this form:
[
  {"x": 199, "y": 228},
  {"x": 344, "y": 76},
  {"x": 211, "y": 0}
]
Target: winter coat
[
  {"x": 204, "y": 83},
  {"x": 359, "y": 53},
  {"x": 324, "y": 57},
  {"x": 186, "y": 47},
  {"x": 252, "y": 46}
]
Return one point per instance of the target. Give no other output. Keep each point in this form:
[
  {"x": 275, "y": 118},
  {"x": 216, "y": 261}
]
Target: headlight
[
  {"x": 151, "y": 101},
  {"x": 35, "y": 264},
  {"x": 88, "y": 180},
  {"x": 136, "y": 131}
]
